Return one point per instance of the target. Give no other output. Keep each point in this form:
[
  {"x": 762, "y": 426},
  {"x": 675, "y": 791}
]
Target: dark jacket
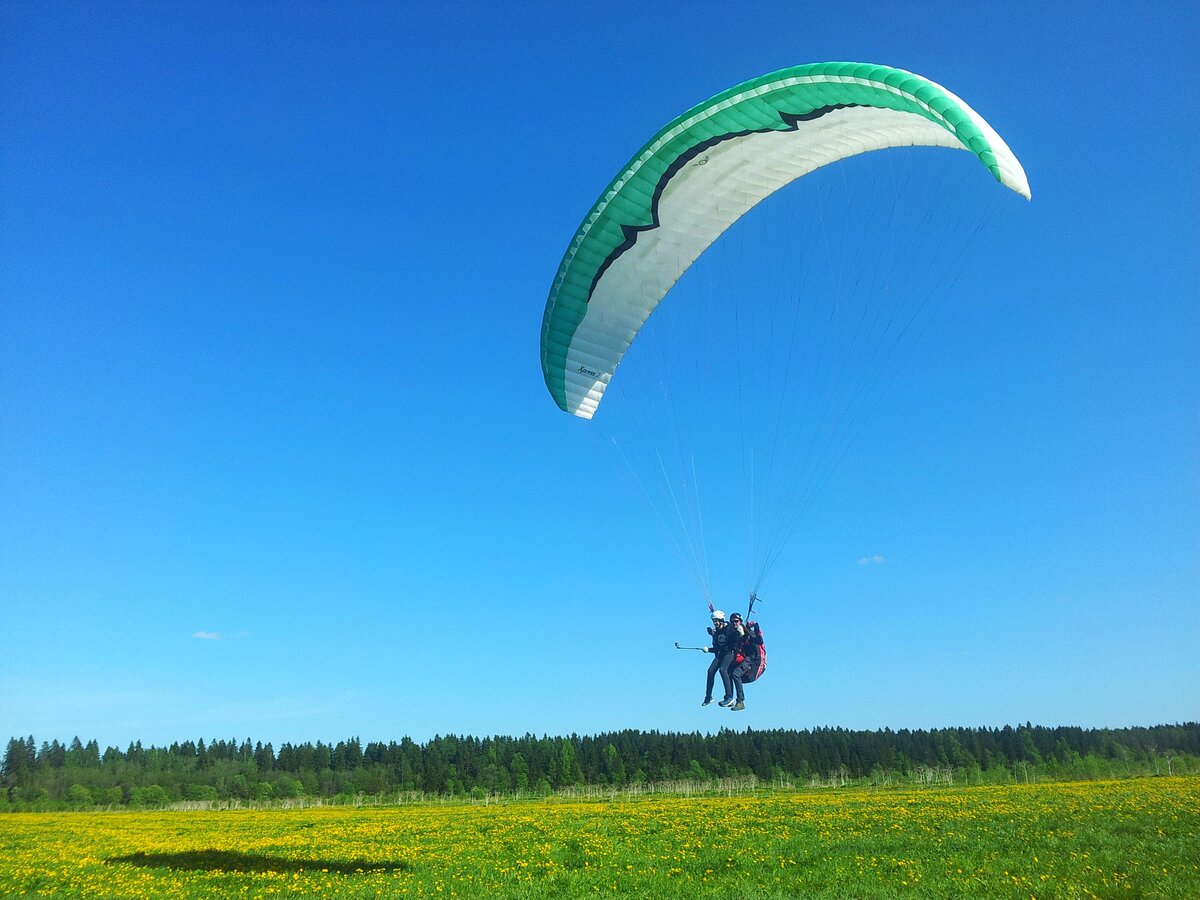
[
  {"x": 751, "y": 644},
  {"x": 724, "y": 640}
]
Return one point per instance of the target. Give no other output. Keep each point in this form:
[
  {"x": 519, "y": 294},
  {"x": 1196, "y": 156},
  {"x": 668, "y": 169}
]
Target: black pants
[
  {"x": 720, "y": 663},
  {"x": 736, "y": 674}
]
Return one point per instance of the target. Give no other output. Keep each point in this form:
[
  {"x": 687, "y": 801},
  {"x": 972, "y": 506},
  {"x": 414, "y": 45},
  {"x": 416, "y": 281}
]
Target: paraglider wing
[{"x": 703, "y": 171}]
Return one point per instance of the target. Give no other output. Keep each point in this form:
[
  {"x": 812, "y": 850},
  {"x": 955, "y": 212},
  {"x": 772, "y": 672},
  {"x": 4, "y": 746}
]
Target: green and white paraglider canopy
[{"x": 704, "y": 170}]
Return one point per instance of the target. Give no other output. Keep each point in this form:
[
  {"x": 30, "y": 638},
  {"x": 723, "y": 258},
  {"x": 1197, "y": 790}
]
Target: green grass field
[{"x": 1135, "y": 838}]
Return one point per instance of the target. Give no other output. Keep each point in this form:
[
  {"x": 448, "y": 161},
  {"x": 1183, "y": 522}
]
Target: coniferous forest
[{"x": 80, "y": 775}]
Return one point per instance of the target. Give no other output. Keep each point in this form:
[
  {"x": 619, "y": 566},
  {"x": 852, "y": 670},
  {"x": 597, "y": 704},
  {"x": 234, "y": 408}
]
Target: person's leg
[
  {"x": 725, "y": 661},
  {"x": 735, "y": 675},
  {"x": 712, "y": 674}
]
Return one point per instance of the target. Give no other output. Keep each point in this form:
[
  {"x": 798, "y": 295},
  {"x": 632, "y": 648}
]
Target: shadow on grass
[{"x": 233, "y": 861}]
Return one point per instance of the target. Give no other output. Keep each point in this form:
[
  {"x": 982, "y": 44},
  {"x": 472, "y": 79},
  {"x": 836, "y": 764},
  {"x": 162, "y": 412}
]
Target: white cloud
[
  {"x": 870, "y": 560},
  {"x": 220, "y": 635}
]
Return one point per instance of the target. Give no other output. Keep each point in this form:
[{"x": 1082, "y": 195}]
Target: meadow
[{"x": 1131, "y": 838}]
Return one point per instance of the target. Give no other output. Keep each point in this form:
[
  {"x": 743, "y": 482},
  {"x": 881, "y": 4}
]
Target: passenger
[{"x": 724, "y": 645}]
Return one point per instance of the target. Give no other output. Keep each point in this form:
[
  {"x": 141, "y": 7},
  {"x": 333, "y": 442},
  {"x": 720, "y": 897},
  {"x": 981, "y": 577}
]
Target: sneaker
[
  {"x": 707, "y": 700},
  {"x": 728, "y": 701},
  {"x": 741, "y": 704}
]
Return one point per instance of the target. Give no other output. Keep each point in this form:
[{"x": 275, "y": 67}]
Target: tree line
[{"x": 78, "y": 775}]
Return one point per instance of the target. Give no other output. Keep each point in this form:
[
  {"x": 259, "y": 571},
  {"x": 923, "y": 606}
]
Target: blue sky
[{"x": 276, "y": 459}]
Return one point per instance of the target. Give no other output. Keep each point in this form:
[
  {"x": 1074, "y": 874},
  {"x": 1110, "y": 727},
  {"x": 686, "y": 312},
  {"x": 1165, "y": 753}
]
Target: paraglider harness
[{"x": 754, "y": 652}]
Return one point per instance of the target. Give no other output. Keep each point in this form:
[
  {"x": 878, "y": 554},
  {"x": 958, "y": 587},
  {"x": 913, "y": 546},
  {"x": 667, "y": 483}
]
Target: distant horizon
[
  {"x": 599, "y": 734},
  {"x": 78, "y": 775}
]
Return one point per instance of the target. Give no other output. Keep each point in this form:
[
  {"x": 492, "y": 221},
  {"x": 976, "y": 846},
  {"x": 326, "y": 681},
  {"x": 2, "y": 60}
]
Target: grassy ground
[{"x": 1136, "y": 838}]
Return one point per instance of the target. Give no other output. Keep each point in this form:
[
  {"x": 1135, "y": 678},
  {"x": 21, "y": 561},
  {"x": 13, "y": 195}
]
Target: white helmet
[{"x": 717, "y": 614}]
